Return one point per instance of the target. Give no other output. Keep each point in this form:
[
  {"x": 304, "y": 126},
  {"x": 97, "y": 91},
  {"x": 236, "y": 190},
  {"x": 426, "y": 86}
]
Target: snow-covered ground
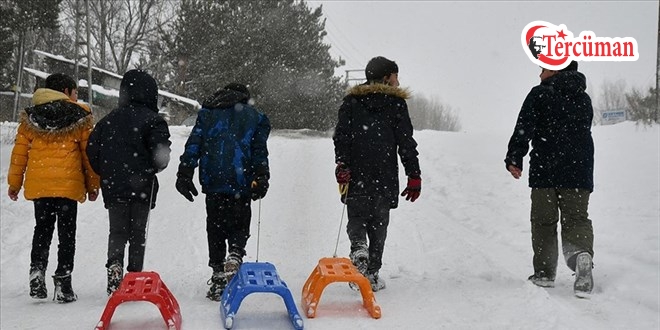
[{"x": 458, "y": 258}]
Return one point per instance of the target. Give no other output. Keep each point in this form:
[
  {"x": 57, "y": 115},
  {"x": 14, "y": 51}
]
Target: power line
[{"x": 339, "y": 39}]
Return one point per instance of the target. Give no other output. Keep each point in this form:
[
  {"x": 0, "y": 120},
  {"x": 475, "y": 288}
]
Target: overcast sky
[{"x": 468, "y": 54}]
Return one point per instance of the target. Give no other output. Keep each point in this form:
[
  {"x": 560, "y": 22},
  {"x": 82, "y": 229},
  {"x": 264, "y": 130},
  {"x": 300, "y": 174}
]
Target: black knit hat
[
  {"x": 241, "y": 89},
  {"x": 573, "y": 66},
  {"x": 379, "y": 67}
]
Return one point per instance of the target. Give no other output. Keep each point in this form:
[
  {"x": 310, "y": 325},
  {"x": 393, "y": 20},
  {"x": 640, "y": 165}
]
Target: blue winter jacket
[{"x": 228, "y": 142}]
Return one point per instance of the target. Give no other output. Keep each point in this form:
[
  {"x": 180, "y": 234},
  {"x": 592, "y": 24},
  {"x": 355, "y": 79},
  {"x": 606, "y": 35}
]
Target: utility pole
[
  {"x": 657, "y": 72},
  {"x": 76, "y": 59},
  {"x": 89, "y": 57},
  {"x": 348, "y": 79},
  {"x": 19, "y": 83}
]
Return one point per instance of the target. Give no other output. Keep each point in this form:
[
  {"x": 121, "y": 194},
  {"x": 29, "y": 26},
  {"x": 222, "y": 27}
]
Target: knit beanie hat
[
  {"x": 573, "y": 66},
  {"x": 379, "y": 67},
  {"x": 241, "y": 89}
]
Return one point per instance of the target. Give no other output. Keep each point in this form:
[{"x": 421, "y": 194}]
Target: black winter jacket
[
  {"x": 131, "y": 144},
  {"x": 373, "y": 127},
  {"x": 556, "y": 116}
]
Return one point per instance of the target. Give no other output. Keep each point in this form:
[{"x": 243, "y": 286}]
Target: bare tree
[
  {"x": 612, "y": 97},
  {"x": 122, "y": 30},
  {"x": 432, "y": 114}
]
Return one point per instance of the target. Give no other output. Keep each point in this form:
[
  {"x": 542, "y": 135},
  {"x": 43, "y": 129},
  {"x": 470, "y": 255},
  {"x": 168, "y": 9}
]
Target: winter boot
[
  {"x": 218, "y": 282},
  {"x": 115, "y": 275},
  {"x": 377, "y": 283},
  {"x": 232, "y": 265},
  {"x": 360, "y": 259},
  {"x": 584, "y": 281},
  {"x": 542, "y": 279},
  {"x": 38, "y": 283},
  {"x": 63, "y": 290}
]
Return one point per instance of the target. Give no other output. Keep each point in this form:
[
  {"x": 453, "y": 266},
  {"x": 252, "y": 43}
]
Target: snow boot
[
  {"x": 38, "y": 283},
  {"x": 115, "y": 275},
  {"x": 584, "y": 281},
  {"x": 360, "y": 258},
  {"x": 63, "y": 290},
  {"x": 218, "y": 282},
  {"x": 377, "y": 283},
  {"x": 541, "y": 279},
  {"x": 232, "y": 264}
]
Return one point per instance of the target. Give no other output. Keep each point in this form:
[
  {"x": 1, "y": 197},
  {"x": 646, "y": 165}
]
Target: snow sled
[
  {"x": 256, "y": 277},
  {"x": 143, "y": 286},
  {"x": 331, "y": 270}
]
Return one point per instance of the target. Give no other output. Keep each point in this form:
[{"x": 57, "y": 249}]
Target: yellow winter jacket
[{"x": 49, "y": 157}]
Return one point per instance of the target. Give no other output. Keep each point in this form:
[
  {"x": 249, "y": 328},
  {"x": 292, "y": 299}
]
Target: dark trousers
[
  {"x": 368, "y": 217},
  {"x": 128, "y": 223},
  {"x": 576, "y": 231},
  {"x": 48, "y": 211},
  {"x": 227, "y": 227}
]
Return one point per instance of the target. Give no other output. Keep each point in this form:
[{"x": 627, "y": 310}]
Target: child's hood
[{"x": 45, "y": 95}]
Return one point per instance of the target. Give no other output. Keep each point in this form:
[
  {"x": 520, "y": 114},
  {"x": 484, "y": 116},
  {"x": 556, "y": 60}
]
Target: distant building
[{"x": 105, "y": 91}]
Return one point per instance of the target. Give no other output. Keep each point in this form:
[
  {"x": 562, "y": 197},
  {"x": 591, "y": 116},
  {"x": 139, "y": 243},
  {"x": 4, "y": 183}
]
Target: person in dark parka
[
  {"x": 127, "y": 148},
  {"x": 556, "y": 117},
  {"x": 373, "y": 127},
  {"x": 229, "y": 145}
]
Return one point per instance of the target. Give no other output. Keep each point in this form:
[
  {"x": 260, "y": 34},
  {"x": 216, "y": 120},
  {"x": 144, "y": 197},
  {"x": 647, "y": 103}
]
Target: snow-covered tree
[
  {"x": 274, "y": 47},
  {"x": 432, "y": 114},
  {"x": 643, "y": 107},
  {"x": 24, "y": 25}
]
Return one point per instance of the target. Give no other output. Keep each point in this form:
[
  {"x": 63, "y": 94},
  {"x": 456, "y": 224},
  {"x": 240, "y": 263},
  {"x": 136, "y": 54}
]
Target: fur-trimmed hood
[
  {"x": 366, "y": 89},
  {"x": 378, "y": 97},
  {"x": 54, "y": 113},
  {"x": 46, "y": 95}
]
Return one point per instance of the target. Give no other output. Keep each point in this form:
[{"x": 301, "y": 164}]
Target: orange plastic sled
[{"x": 331, "y": 270}]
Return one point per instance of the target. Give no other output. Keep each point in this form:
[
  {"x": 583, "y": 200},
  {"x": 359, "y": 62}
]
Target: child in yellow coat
[{"x": 49, "y": 161}]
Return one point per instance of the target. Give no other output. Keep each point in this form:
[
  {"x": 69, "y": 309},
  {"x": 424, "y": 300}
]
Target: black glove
[
  {"x": 184, "y": 183},
  {"x": 259, "y": 187}
]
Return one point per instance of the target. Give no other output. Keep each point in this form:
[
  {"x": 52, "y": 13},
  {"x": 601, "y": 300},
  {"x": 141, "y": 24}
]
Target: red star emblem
[{"x": 561, "y": 34}]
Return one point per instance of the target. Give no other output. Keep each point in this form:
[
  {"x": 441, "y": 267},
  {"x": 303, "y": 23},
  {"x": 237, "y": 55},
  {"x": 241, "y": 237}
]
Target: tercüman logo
[{"x": 553, "y": 47}]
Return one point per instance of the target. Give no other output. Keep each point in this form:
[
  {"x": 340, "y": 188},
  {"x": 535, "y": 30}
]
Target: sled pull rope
[
  {"x": 146, "y": 229},
  {"x": 343, "y": 191},
  {"x": 258, "y": 228}
]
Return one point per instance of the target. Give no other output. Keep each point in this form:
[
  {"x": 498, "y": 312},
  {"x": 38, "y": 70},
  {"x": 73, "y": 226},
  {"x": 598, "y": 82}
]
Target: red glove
[
  {"x": 414, "y": 188},
  {"x": 13, "y": 195},
  {"x": 342, "y": 173}
]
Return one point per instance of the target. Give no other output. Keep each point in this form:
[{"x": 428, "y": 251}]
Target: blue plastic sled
[{"x": 256, "y": 277}]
